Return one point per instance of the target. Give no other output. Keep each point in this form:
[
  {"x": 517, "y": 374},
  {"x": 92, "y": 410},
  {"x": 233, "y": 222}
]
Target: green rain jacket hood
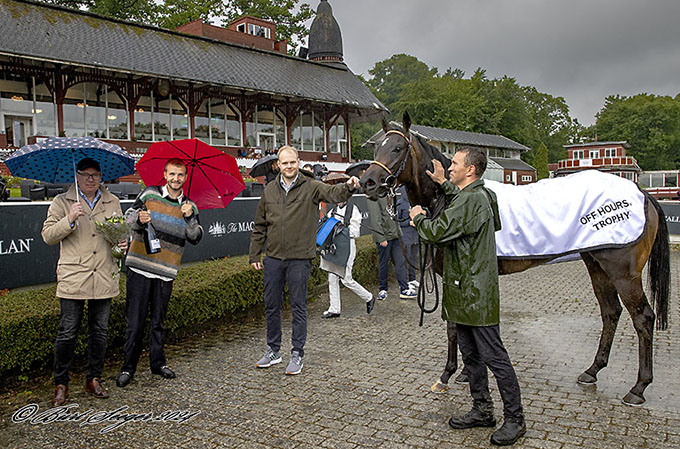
[{"x": 465, "y": 232}]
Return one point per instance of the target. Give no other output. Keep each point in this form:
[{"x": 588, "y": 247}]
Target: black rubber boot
[
  {"x": 512, "y": 430},
  {"x": 477, "y": 417}
]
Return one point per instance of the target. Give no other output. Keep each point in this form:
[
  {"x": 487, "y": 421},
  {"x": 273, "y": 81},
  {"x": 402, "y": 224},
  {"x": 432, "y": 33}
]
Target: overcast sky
[{"x": 581, "y": 50}]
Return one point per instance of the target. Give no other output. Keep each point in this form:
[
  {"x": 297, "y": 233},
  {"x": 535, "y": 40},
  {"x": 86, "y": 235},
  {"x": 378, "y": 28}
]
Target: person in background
[
  {"x": 86, "y": 272},
  {"x": 272, "y": 172},
  {"x": 285, "y": 229},
  {"x": 341, "y": 212},
  {"x": 150, "y": 276},
  {"x": 471, "y": 297},
  {"x": 409, "y": 239},
  {"x": 386, "y": 237}
]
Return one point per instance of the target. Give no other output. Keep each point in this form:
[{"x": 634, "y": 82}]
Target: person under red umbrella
[
  {"x": 163, "y": 220},
  {"x": 213, "y": 178}
]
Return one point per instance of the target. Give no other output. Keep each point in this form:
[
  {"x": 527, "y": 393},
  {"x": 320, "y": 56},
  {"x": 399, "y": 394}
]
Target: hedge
[{"x": 204, "y": 291}]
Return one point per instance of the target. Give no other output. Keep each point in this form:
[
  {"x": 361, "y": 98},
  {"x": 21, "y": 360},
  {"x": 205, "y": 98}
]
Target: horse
[{"x": 402, "y": 158}]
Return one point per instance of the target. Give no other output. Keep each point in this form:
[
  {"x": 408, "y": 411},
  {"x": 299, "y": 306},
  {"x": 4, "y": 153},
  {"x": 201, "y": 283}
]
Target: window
[
  {"x": 610, "y": 152},
  {"x": 644, "y": 180},
  {"x": 143, "y": 124},
  {"x": 594, "y": 154},
  {"x": 202, "y": 123},
  {"x": 578, "y": 154},
  {"x": 241, "y": 28},
  {"x": 508, "y": 178},
  {"x": 527, "y": 178},
  {"x": 45, "y": 111},
  {"x": 116, "y": 115},
  {"x": 307, "y": 132},
  {"x": 337, "y": 137},
  {"x": 670, "y": 179},
  {"x": 180, "y": 120},
  {"x": 257, "y": 30},
  {"x": 656, "y": 180}
]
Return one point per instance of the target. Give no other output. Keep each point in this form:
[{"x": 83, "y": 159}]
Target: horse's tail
[{"x": 659, "y": 278}]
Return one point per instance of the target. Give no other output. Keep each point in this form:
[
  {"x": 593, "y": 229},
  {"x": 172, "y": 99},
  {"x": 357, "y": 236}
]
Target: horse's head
[{"x": 389, "y": 160}]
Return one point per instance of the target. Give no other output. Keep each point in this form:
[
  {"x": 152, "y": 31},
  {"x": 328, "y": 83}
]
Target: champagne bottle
[{"x": 151, "y": 242}]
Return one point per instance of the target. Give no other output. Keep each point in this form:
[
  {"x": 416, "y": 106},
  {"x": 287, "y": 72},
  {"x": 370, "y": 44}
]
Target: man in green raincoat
[{"x": 471, "y": 299}]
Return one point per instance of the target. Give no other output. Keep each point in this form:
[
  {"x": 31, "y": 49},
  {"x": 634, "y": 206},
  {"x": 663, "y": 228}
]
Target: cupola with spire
[{"x": 325, "y": 38}]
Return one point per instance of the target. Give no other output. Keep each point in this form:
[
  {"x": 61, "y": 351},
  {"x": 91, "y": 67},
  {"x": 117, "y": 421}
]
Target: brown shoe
[
  {"x": 94, "y": 387},
  {"x": 60, "y": 395}
]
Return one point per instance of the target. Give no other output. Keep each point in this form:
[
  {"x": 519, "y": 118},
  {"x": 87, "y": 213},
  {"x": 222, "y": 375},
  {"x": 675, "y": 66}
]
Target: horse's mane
[{"x": 430, "y": 150}]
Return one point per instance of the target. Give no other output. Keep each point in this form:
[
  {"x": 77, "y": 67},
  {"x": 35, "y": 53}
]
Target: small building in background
[
  {"x": 609, "y": 157},
  {"x": 504, "y": 154}
]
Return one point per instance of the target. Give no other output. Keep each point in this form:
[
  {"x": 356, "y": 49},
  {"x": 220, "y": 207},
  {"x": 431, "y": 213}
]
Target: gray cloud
[{"x": 582, "y": 50}]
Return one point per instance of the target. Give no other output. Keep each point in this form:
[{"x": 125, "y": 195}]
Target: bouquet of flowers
[{"x": 114, "y": 229}]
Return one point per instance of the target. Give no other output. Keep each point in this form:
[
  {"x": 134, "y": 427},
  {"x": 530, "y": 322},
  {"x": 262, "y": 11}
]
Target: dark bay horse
[{"x": 616, "y": 273}]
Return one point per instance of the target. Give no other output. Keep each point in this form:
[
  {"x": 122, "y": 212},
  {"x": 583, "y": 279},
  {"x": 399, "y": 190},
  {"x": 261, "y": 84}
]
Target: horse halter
[
  {"x": 391, "y": 179},
  {"x": 390, "y": 182}
]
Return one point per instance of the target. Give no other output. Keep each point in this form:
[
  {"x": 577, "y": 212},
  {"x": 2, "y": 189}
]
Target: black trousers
[
  {"x": 278, "y": 273},
  {"x": 144, "y": 293},
  {"x": 98, "y": 311},
  {"x": 481, "y": 347}
]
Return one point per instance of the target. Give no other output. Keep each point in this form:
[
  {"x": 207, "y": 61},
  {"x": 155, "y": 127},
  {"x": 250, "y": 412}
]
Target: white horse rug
[{"x": 584, "y": 211}]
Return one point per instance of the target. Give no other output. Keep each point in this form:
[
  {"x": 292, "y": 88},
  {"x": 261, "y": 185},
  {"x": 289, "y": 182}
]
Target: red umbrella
[{"x": 213, "y": 177}]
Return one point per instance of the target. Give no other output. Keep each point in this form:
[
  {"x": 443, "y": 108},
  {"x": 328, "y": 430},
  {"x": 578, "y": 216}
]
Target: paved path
[{"x": 366, "y": 382}]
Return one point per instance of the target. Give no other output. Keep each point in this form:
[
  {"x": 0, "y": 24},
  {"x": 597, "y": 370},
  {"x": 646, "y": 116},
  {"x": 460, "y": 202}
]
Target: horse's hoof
[
  {"x": 462, "y": 379},
  {"x": 439, "y": 387},
  {"x": 586, "y": 379},
  {"x": 633, "y": 399}
]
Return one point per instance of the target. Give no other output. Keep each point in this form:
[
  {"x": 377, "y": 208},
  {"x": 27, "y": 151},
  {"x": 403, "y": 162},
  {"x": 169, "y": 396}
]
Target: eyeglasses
[{"x": 88, "y": 176}]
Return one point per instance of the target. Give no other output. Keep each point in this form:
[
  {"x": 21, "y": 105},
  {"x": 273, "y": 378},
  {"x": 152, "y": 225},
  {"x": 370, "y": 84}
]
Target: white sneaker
[
  {"x": 413, "y": 285},
  {"x": 382, "y": 295}
]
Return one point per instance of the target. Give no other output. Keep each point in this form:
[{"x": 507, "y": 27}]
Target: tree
[
  {"x": 650, "y": 123},
  {"x": 391, "y": 75},
  {"x": 360, "y": 133},
  {"x": 541, "y": 162}
]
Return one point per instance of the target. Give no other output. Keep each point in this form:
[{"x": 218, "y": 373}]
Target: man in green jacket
[
  {"x": 471, "y": 299},
  {"x": 285, "y": 228}
]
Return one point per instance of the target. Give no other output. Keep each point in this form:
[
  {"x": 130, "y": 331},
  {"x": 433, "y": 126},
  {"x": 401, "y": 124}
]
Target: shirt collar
[
  {"x": 96, "y": 197},
  {"x": 166, "y": 194},
  {"x": 283, "y": 184}
]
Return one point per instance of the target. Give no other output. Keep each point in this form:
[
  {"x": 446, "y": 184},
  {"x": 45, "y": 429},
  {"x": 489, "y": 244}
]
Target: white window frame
[
  {"x": 594, "y": 154},
  {"x": 578, "y": 154},
  {"x": 527, "y": 178},
  {"x": 610, "y": 152}
]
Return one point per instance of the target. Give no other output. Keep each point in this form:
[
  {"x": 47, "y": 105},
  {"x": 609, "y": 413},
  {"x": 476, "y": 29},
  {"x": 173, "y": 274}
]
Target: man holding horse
[{"x": 471, "y": 298}]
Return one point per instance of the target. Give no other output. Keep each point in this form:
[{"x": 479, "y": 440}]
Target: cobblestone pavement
[{"x": 366, "y": 381}]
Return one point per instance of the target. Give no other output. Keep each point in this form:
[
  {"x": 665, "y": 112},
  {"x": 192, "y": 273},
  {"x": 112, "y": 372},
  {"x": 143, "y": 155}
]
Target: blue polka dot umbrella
[{"x": 55, "y": 159}]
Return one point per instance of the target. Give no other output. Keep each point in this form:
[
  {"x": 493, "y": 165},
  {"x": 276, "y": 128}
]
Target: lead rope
[{"x": 428, "y": 280}]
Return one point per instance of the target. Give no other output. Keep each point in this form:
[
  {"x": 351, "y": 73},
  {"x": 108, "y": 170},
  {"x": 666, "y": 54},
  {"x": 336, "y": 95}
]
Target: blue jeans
[
  {"x": 391, "y": 251},
  {"x": 98, "y": 311},
  {"x": 278, "y": 273}
]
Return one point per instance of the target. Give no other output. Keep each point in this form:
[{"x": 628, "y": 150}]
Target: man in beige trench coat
[{"x": 85, "y": 271}]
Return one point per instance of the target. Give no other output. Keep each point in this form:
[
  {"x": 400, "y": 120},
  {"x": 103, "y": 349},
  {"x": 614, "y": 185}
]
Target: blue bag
[{"x": 324, "y": 233}]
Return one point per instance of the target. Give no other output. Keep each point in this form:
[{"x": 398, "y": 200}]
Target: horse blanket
[{"x": 580, "y": 212}]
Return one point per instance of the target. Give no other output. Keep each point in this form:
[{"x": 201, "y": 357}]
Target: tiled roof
[
  {"x": 61, "y": 35},
  {"x": 467, "y": 138},
  {"x": 512, "y": 164}
]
